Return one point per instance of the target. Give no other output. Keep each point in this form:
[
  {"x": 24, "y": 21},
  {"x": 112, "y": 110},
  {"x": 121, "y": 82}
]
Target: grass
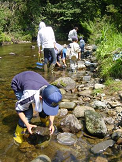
[{"x": 108, "y": 40}]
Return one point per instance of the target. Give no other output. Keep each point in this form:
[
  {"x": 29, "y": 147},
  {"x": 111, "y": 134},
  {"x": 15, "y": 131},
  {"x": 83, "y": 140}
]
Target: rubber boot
[
  {"x": 45, "y": 121},
  {"x": 45, "y": 67},
  {"x": 18, "y": 135},
  {"x": 51, "y": 68}
]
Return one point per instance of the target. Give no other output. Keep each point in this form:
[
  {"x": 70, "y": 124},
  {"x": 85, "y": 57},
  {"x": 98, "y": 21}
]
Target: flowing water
[{"x": 13, "y": 60}]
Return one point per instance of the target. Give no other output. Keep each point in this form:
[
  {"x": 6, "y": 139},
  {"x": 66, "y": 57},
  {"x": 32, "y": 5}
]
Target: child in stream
[{"x": 30, "y": 87}]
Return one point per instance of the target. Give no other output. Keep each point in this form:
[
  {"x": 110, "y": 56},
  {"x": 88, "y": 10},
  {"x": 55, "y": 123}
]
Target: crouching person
[{"x": 30, "y": 87}]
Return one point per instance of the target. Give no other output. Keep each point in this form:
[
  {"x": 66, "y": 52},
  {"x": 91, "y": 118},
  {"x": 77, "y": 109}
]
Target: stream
[{"x": 14, "y": 59}]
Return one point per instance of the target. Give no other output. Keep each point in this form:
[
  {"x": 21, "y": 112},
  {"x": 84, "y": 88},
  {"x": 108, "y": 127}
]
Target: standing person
[
  {"x": 72, "y": 33},
  {"x": 64, "y": 51},
  {"x": 30, "y": 87},
  {"x": 82, "y": 45},
  {"x": 46, "y": 39},
  {"x": 74, "y": 54}
]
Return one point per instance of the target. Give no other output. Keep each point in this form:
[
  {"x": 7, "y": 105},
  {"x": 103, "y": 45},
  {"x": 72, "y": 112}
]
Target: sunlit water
[{"x": 13, "y": 60}]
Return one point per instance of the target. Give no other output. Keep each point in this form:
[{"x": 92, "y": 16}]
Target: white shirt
[
  {"x": 46, "y": 37},
  {"x": 74, "y": 50},
  {"x": 71, "y": 34}
]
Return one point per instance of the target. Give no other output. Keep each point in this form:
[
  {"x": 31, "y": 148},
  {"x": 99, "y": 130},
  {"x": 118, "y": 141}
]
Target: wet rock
[
  {"x": 70, "y": 124},
  {"x": 114, "y": 104},
  {"x": 62, "y": 112},
  {"x": 63, "y": 92},
  {"x": 117, "y": 134},
  {"x": 109, "y": 120},
  {"x": 11, "y": 53},
  {"x": 65, "y": 82},
  {"x": 66, "y": 138},
  {"x": 33, "y": 47},
  {"x": 25, "y": 147},
  {"x": 79, "y": 110},
  {"x": 43, "y": 131},
  {"x": 42, "y": 158},
  {"x": 86, "y": 78},
  {"x": 81, "y": 65},
  {"x": 95, "y": 123},
  {"x": 64, "y": 156},
  {"x": 100, "y": 147},
  {"x": 119, "y": 141},
  {"x": 67, "y": 105},
  {"x": 101, "y": 159},
  {"x": 99, "y": 86},
  {"x": 86, "y": 92},
  {"x": 99, "y": 105}
]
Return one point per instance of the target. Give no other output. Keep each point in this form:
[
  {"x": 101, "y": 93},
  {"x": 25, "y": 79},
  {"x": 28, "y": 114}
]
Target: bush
[
  {"x": 4, "y": 38},
  {"x": 27, "y": 37}
]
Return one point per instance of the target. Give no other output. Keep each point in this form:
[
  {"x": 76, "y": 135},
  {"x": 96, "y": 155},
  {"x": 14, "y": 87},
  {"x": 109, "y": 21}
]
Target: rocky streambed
[{"x": 88, "y": 125}]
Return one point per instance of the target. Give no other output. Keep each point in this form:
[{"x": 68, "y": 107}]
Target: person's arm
[
  {"x": 39, "y": 42},
  {"x": 51, "y": 127},
  {"x": 23, "y": 118}
]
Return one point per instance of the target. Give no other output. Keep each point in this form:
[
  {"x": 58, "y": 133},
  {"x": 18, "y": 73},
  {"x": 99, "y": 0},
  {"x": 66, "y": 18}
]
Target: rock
[
  {"x": 79, "y": 110},
  {"x": 65, "y": 82},
  {"x": 99, "y": 105},
  {"x": 116, "y": 135},
  {"x": 43, "y": 131},
  {"x": 99, "y": 86},
  {"x": 67, "y": 105},
  {"x": 42, "y": 158},
  {"x": 100, "y": 147},
  {"x": 70, "y": 124},
  {"x": 86, "y": 93},
  {"x": 101, "y": 159},
  {"x": 62, "y": 112},
  {"x": 66, "y": 138},
  {"x": 25, "y": 147},
  {"x": 11, "y": 53},
  {"x": 114, "y": 104},
  {"x": 65, "y": 156},
  {"x": 81, "y": 65},
  {"x": 95, "y": 123}
]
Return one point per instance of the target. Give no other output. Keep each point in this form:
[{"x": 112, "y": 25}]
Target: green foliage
[
  {"x": 4, "y": 38},
  {"x": 108, "y": 40},
  {"x": 116, "y": 69},
  {"x": 113, "y": 86},
  {"x": 27, "y": 37}
]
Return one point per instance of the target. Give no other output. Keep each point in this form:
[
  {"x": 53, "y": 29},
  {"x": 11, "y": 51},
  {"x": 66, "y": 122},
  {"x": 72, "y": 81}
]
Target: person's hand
[
  {"x": 29, "y": 127},
  {"x": 51, "y": 128}
]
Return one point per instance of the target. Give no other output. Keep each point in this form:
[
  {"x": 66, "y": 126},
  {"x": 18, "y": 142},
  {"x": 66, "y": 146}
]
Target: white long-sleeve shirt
[
  {"x": 46, "y": 37},
  {"x": 71, "y": 34}
]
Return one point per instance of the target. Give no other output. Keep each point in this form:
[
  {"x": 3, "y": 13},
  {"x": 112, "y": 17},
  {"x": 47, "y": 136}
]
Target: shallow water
[
  {"x": 13, "y": 60},
  {"x": 25, "y": 58}
]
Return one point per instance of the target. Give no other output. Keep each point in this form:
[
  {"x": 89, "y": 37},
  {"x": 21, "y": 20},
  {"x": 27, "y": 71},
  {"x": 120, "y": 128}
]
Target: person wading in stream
[
  {"x": 46, "y": 39},
  {"x": 30, "y": 87}
]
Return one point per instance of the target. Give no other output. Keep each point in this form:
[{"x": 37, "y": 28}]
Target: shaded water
[{"x": 25, "y": 58}]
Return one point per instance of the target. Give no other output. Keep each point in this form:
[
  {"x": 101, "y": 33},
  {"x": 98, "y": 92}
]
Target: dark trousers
[{"x": 49, "y": 56}]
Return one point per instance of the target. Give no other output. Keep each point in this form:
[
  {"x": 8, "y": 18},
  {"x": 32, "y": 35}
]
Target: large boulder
[{"x": 95, "y": 124}]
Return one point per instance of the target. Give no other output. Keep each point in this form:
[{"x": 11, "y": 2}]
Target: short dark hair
[{"x": 76, "y": 28}]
